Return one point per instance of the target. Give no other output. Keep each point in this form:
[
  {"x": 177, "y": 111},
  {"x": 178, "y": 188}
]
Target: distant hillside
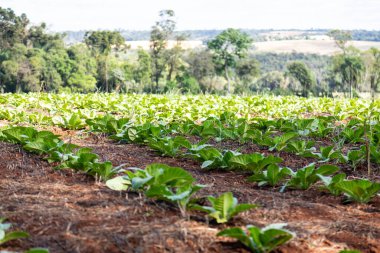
[
  {"x": 256, "y": 34},
  {"x": 322, "y": 47}
]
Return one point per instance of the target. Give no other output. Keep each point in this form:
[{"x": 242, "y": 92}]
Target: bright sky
[{"x": 63, "y": 15}]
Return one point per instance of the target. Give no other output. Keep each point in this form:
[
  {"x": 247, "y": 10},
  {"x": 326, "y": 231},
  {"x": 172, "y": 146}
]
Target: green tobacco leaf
[
  {"x": 360, "y": 190},
  {"x": 245, "y": 159},
  {"x": 274, "y": 235},
  {"x": 206, "y": 164},
  {"x": 274, "y": 174},
  {"x": 260, "y": 240},
  {"x": 330, "y": 182},
  {"x": 37, "y": 250},
  {"x": 236, "y": 233},
  {"x": 118, "y": 183},
  {"x": 281, "y": 141},
  {"x": 224, "y": 207},
  {"x": 166, "y": 175},
  {"x": 138, "y": 182},
  {"x": 326, "y": 170},
  {"x": 305, "y": 177},
  {"x": 254, "y": 162},
  {"x": 19, "y": 134},
  {"x": 13, "y": 236}
]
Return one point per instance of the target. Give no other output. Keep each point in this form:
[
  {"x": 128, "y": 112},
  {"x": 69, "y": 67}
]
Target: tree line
[
  {"x": 255, "y": 34},
  {"x": 34, "y": 60}
]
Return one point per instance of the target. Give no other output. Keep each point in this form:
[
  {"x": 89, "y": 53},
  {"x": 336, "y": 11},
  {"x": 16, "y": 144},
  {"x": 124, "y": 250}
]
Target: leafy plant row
[
  {"x": 158, "y": 137},
  {"x": 175, "y": 185},
  {"x": 157, "y": 181},
  {"x": 65, "y": 155},
  {"x": 175, "y": 107},
  {"x": 359, "y": 130},
  {"x": 360, "y": 190}
]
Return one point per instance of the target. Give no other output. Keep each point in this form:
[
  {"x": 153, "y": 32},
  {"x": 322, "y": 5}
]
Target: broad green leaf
[
  {"x": 37, "y": 250},
  {"x": 13, "y": 236},
  {"x": 118, "y": 183}
]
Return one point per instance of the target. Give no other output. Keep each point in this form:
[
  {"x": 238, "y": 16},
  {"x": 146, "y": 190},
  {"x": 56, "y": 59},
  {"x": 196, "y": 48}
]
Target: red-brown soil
[{"x": 68, "y": 212}]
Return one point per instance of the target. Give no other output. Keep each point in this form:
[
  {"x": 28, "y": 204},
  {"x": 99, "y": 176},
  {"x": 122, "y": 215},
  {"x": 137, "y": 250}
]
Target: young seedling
[
  {"x": 260, "y": 240},
  {"x": 272, "y": 176},
  {"x": 255, "y": 162},
  {"x": 224, "y": 207},
  {"x": 305, "y": 177},
  {"x": 359, "y": 190},
  {"x": 330, "y": 183}
]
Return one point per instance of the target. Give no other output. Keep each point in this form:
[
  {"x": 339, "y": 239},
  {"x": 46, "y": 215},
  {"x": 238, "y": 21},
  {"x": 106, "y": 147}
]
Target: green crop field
[{"x": 170, "y": 173}]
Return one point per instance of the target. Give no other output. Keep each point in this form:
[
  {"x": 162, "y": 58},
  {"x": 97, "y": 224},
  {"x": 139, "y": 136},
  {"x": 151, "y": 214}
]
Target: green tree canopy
[
  {"x": 303, "y": 74},
  {"x": 349, "y": 70},
  {"x": 340, "y": 37},
  {"x": 13, "y": 28},
  {"x": 227, "y": 48},
  {"x": 161, "y": 32},
  {"x": 102, "y": 43}
]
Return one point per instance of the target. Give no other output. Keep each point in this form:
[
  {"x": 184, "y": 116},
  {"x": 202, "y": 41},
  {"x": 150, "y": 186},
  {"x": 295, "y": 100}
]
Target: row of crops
[{"x": 334, "y": 134}]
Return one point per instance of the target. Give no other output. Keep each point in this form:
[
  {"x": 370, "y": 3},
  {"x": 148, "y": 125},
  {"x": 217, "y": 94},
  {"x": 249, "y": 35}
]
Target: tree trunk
[
  {"x": 228, "y": 79},
  {"x": 373, "y": 87},
  {"x": 171, "y": 69},
  {"x": 17, "y": 86},
  {"x": 106, "y": 76},
  {"x": 350, "y": 90},
  {"x": 157, "y": 77}
]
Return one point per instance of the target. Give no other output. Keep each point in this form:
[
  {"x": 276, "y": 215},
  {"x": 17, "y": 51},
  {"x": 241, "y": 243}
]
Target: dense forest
[{"x": 34, "y": 60}]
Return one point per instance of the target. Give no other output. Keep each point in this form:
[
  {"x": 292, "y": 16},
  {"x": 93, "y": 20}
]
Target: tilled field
[{"x": 71, "y": 212}]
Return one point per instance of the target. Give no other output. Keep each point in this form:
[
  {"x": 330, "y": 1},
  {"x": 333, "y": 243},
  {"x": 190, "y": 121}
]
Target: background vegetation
[{"x": 34, "y": 60}]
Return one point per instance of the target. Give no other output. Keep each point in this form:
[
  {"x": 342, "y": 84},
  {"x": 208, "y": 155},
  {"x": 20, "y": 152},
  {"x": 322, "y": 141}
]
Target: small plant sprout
[{"x": 260, "y": 240}]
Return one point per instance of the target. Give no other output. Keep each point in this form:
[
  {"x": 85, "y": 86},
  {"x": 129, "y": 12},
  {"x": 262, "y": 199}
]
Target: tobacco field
[{"x": 200, "y": 173}]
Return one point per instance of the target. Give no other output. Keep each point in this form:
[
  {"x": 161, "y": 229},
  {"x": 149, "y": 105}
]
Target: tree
[
  {"x": 227, "y": 48},
  {"x": 272, "y": 80},
  {"x": 13, "y": 28},
  {"x": 39, "y": 38},
  {"x": 102, "y": 43},
  {"x": 174, "y": 57},
  {"x": 159, "y": 36},
  {"x": 349, "y": 70},
  {"x": 83, "y": 71},
  {"x": 340, "y": 37},
  {"x": 303, "y": 74},
  {"x": 143, "y": 71},
  {"x": 16, "y": 68},
  {"x": 200, "y": 65},
  {"x": 247, "y": 70},
  {"x": 373, "y": 69}
]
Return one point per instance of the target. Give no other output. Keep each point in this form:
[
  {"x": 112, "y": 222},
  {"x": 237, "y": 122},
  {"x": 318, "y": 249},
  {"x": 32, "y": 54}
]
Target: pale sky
[{"x": 75, "y": 15}]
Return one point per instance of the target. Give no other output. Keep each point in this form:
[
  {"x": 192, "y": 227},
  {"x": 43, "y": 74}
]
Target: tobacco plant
[
  {"x": 255, "y": 162},
  {"x": 272, "y": 176},
  {"x": 359, "y": 190},
  {"x": 224, "y": 207},
  {"x": 260, "y": 240},
  {"x": 280, "y": 142},
  {"x": 169, "y": 146},
  {"x": 331, "y": 182},
  {"x": 159, "y": 181},
  {"x": 308, "y": 175}
]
